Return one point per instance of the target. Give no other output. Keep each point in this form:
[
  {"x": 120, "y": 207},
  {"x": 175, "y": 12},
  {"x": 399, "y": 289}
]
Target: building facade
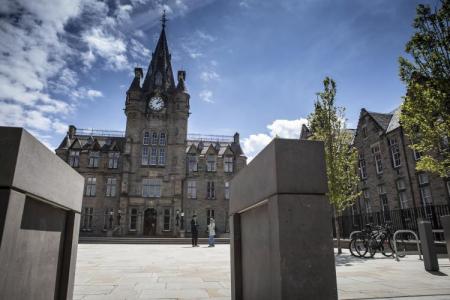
[
  {"x": 387, "y": 169},
  {"x": 151, "y": 179}
]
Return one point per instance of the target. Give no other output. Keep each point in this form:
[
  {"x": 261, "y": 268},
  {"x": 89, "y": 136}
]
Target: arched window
[
  {"x": 154, "y": 138},
  {"x": 158, "y": 79},
  {"x": 162, "y": 139},
  {"x": 146, "y": 140}
]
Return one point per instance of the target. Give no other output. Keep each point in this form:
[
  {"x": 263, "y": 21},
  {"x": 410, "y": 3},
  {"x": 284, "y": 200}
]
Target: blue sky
[{"x": 252, "y": 66}]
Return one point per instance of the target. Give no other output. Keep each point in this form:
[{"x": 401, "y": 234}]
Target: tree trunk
[{"x": 338, "y": 231}]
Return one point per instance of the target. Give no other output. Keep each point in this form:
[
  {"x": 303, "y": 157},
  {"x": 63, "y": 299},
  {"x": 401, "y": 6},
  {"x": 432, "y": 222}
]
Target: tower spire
[
  {"x": 159, "y": 73},
  {"x": 163, "y": 19}
]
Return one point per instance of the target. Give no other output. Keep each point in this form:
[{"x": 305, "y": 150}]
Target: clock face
[{"x": 156, "y": 103}]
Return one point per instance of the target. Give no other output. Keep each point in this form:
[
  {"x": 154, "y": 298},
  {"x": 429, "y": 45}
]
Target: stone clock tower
[{"x": 154, "y": 166}]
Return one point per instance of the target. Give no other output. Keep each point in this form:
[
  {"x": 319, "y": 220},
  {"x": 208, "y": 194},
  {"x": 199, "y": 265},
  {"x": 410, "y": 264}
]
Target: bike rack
[
  {"x": 417, "y": 241},
  {"x": 353, "y": 232}
]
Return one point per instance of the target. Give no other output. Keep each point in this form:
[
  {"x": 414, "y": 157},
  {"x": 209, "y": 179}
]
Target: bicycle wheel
[
  {"x": 387, "y": 247},
  {"x": 401, "y": 247},
  {"x": 373, "y": 246},
  {"x": 358, "y": 247}
]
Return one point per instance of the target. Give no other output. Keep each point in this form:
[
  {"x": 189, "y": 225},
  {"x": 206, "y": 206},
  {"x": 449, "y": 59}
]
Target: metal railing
[
  {"x": 195, "y": 137},
  {"x": 99, "y": 132}
]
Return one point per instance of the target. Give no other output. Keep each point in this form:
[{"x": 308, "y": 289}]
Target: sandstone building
[
  {"x": 390, "y": 186},
  {"x": 387, "y": 169},
  {"x": 151, "y": 179}
]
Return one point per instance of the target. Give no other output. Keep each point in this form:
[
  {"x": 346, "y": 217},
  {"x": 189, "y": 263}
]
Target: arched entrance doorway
[{"x": 150, "y": 221}]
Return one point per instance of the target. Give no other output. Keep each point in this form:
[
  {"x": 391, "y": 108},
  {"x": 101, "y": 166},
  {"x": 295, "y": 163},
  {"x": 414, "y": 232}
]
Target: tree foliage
[
  {"x": 328, "y": 125},
  {"x": 426, "y": 110}
]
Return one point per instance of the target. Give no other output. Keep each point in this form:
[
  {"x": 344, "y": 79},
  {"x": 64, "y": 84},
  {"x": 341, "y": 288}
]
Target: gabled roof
[
  {"x": 381, "y": 119},
  {"x": 395, "y": 120}
]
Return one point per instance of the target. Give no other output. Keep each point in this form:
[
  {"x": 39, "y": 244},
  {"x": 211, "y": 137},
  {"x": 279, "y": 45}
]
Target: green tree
[
  {"x": 328, "y": 125},
  {"x": 426, "y": 108}
]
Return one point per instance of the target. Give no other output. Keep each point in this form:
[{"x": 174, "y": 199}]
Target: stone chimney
[
  {"x": 236, "y": 138},
  {"x": 72, "y": 131}
]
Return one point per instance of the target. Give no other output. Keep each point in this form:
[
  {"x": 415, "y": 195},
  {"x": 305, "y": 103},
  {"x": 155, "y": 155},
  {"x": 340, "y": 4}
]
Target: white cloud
[
  {"x": 94, "y": 94},
  {"x": 206, "y": 95},
  {"x": 290, "y": 129},
  {"x": 209, "y": 75},
  {"x": 111, "y": 48},
  {"x": 204, "y": 36}
]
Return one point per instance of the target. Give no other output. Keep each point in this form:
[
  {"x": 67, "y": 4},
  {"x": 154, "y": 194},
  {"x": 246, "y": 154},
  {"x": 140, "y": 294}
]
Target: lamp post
[
  {"x": 182, "y": 224},
  {"x": 119, "y": 216},
  {"x": 111, "y": 219},
  {"x": 177, "y": 218}
]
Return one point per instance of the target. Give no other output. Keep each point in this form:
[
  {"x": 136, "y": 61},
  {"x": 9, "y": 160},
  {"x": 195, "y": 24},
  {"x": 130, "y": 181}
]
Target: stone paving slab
[{"x": 126, "y": 271}]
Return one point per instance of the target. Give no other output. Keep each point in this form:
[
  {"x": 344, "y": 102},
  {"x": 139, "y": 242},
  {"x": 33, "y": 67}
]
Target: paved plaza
[{"x": 120, "y": 271}]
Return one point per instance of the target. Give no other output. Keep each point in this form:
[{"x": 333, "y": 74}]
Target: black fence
[{"x": 398, "y": 219}]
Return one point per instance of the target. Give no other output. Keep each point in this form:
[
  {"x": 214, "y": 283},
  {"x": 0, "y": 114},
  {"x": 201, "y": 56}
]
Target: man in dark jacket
[{"x": 194, "y": 231}]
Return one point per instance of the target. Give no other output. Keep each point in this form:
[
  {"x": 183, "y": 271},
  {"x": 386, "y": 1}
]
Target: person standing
[
  {"x": 194, "y": 231},
  {"x": 211, "y": 232}
]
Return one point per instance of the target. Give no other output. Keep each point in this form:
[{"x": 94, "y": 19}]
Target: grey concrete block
[
  {"x": 284, "y": 166},
  {"x": 40, "y": 202},
  {"x": 29, "y": 166},
  {"x": 445, "y": 221},
  {"x": 281, "y": 233},
  {"x": 430, "y": 260}
]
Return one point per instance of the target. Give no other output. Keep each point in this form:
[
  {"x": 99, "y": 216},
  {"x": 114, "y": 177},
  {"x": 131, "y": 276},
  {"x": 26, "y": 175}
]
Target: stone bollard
[
  {"x": 40, "y": 203},
  {"x": 445, "y": 220},
  {"x": 281, "y": 233},
  {"x": 427, "y": 242}
]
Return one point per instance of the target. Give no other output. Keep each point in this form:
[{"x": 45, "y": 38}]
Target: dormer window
[
  {"x": 192, "y": 163},
  {"x": 113, "y": 160},
  {"x": 228, "y": 164},
  {"x": 94, "y": 157},
  {"x": 210, "y": 163},
  {"x": 74, "y": 158}
]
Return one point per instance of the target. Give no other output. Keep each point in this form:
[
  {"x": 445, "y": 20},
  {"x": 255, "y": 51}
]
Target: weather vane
[{"x": 163, "y": 19}]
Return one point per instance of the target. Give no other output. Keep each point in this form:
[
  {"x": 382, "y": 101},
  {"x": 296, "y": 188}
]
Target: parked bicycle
[{"x": 375, "y": 239}]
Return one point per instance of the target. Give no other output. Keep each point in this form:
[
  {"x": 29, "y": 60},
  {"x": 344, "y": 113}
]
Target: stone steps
[{"x": 142, "y": 240}]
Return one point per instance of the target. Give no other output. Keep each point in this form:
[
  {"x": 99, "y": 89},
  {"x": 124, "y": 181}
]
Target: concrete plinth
[
  {"x": 40, "y": 203},
  {"x": 430, "y": 260},
  {"x": 445, "y": 221},
  {"x": 281, "y": 233}
]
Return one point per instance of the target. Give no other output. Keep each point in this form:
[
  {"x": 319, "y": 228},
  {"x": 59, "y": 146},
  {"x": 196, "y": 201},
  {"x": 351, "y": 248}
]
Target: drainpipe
[{"x": 402, "y": 137}]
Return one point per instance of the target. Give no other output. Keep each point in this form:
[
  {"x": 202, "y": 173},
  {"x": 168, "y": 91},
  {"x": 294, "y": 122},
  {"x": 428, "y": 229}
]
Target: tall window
[
  {"x": 154, "y": 156},
  {"x": 384, "y": 202},
  {"x": 162, "y": 139},
  {"x": 395, "y": 152},
  {"x": 144, "y": 160},
  {"x": 154, "y": 138},
  {"x": 162, "y": 157},
  {"x": 88, "y": 214},
  {"x": 74, "y": 158},
  {"x": 402, "y": 197},
  {"x": 192, "y": 189},
  {"x": 113, "y": 160},
  {"x": 425, "y": 194},
  {"x": 108, "y": 218},
  {"x": 94, "y": 157},
  {"x": 192, "y": 163},
  {"x": 417, "y": 155},
  {"x": 377, "y": 158},
  {"x": 364, "y": 132},
  {"x": 111, "y": 187},
  {"x": 209, "y": 215},
  {"x": 210, "y": 191},
  {"x": 228, "y": 164},
  {"x": 210, "y": 163},
  {"x": 146, "y": 140},
  {"x": 133, "y": 219},
  {"x": 362, "y": 166},
  {"x": 227, "y": 190},
  {"x": 90, "y": 186},
  {"x": 151, "y": 187},
  {"x": 166, "y": 225},
  {"x": 423, "y": 178}
]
